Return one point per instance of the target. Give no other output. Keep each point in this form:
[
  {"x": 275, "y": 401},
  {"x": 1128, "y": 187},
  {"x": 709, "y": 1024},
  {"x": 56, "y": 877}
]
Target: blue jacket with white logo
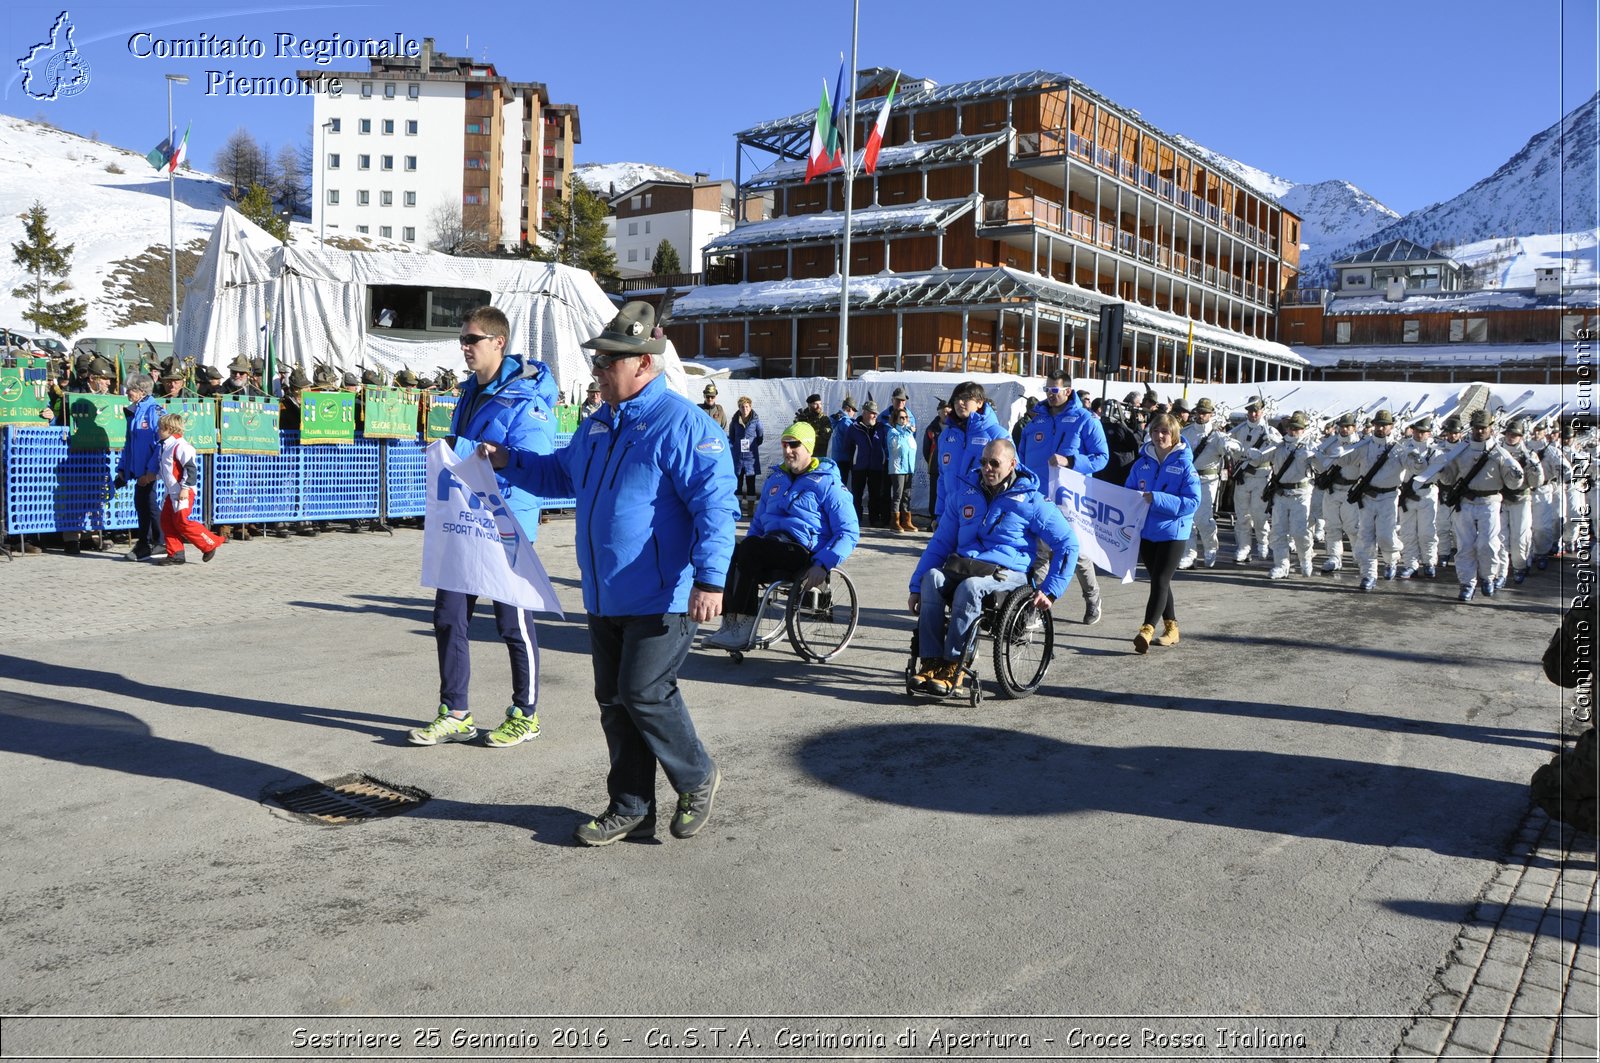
[
  {"x": 1071, "y": 431},
  {"x": 1174, "y": 487},
  {"x": 902, "y": 450},
  {"x": 655, "y": 489},
  {"x": 961, "y": 446},
  {"x": 1002, "y": 531},
  {"x": 866, "y": 447},
  {"x": 514, "y": 411},
  {"x": 141, "y": 454},
  {"x": 813, "y": 508}
]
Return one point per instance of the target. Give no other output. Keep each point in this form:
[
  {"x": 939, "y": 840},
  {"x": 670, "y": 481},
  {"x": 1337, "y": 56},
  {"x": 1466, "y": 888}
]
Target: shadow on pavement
[
  {"x": 990, "y": 771},
  {"x": 1447, "y": 912}
]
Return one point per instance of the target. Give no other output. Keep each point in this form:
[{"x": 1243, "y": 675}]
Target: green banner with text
[
  {"x": 389, "y": 413},
  {"x": 441, "y": 411},
  {"x": 199, "y": 421},
  {"x": 327, "y": 417},
  {"x": 249, "y": 426},
  {"x": 97, "y": 422},
  {"x": 22, "y": 396}
]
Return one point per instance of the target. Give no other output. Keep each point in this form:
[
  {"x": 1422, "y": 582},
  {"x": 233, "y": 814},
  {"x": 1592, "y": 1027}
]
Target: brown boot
[
  {"x": 1169, "y": 634},
  {"x": 906, "y": 522},
  {"x": 944, "y": 680},
  {"x": 926, "y": 668},
  {"x": 1141, "y": 641}
]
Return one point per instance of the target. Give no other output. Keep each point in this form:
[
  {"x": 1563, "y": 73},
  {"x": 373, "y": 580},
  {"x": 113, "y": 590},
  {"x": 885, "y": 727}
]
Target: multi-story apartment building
[
  {"x": 1402, "y": 311},
  {"x": 687, "y": 214},
  {"x": 1004, "y": 215},
  {"x": 413, "y": 143}
]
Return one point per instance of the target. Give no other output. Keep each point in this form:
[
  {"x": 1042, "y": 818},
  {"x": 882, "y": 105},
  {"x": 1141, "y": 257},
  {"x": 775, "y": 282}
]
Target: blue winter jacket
[
  {"x": 141, "y": 454},
  {"x": 836, "y": 441},
  {"x": 866, "y": 448},
  {"x": 902, "y": 450},
  {"x": 655, "y": 490},
  {"x": 961, "y": 447},
  {"x": 1002, "y": 531},
  {"x": 514, "y": 411},
  {"x": 1071, "y": 431},
  {"x": 746, "y": 458},
  {"x": 813, "y": 508},
  {"x": 1175, "y": 490}
]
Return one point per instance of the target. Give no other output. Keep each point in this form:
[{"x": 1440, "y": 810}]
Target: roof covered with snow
[
  {"x": 1393, "y": 359},
  {"x": 1394, "y": 251},
  {"x": 827, "y": 226},
  {"x": 903, "y": 156},
  {"x": 1477, "y": 301}
]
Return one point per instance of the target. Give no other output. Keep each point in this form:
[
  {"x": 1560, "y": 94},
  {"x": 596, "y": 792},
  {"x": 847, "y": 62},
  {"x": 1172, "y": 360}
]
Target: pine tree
[
  {"x": 242, "y": 162},
  {"x": 576, "y": 234},
  {"x": 42, "y": 257},
  {"x": 666, "y": 260},
  {"x": 257, "y": 205}
]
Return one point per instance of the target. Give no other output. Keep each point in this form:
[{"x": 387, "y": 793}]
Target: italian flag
[
  {"x": 869, "y": 158},
  {"x": 836, "y": 131},
  {"x": 182, "y": 151},
  {"x": 821, "y": 133}
]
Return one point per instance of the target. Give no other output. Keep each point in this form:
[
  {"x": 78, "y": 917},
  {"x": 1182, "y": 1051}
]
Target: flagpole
[
  {"x": 849, "y": 196},
  {"x": 172, "y": 202}
]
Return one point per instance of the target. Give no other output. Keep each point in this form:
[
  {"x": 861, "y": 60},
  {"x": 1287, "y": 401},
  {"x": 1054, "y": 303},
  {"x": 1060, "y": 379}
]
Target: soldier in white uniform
[
  {"x": 1211, "y": 449},
  {"x": 1516, "y": 507},
  {"x": 1550, "y": 497},
  {"x": 1451, "y": 432},
  {"x": 1249, "y": 508},
  {"x": 1377, "y": 498},
  {"x": 1337, "y": 461},
  {"x": 1419, "y": 504},
  {"x": 1289, "y": 483},
  {"x": 1474, "y": 479},
  {"x": 1578, "y": 513}
]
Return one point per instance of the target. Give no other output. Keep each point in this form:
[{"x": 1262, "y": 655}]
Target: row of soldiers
[{"x": 1497, "y": 502}]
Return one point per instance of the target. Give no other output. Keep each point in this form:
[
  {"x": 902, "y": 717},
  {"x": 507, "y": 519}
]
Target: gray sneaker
[
  {"x": 694, "y": 806},
  {"x": 612, "y": 826},
  {"x": 1091, "y": 611}
]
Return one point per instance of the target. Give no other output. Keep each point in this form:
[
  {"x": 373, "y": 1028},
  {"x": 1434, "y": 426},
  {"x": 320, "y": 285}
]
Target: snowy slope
[
  {"x": 1270, "y": 185},
  {"x": 614, "y": 178}
]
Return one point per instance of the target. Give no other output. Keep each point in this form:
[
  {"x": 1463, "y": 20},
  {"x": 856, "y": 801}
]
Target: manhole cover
[{"x": 350, "y": 799}]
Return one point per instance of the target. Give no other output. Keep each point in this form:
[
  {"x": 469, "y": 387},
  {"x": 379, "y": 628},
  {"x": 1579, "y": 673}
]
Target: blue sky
[{"x": 1412, "y": 102}]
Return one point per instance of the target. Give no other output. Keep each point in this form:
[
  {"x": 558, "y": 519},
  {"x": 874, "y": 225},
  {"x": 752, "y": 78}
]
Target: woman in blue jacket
[
  {"x": 902, "y": 466},
  {"x": 1164, "y": 473},
  {"x": 744, "y": 441}
]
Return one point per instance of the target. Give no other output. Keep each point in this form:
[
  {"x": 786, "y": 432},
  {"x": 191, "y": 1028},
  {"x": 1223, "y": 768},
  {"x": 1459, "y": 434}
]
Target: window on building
[
  {"x": 388, "y": 162},
  {"x": 411, "y": 199},
  {"x": 385, "y": 199},
  {"x": 363, "y": 162},
  {"x": 333, "y": 160},
  {"x": 474, "y": 92},
  {"x": 362, "y": 229},
  {"x": 388, "y": 90},
  {"x": 633, "y": 254},
  {"x": 411, "y": 162},
  {"x": 413, "y": 90},
  {"x": 386, "y": 231},
  {"x": 333, "y": 125},
  {"x": 550, "y": 182},
  {"x": 388, "y": 127},
  {"x": 647, "y": 227},
  {"x": 634, "y": 201},
  {"x": 474, "y": 127},
  {"x": 470, "y": 199},
  {"x": 1410, "y": 331},
  {"x": 333, "y": 197},
  {"x": 420, "y": 309},
  {"x": 364, "y": 125},
  {"x": 361, "y": 197},
  {"x": 409, "y": 234},
  {"x": 411, "y": 127},
  {"x": 366, "y": 90},
  {"x": 647, "y": 199},
  {"x": 1341, "y": 332},
  {"x": 633, "y": 228},
  {"x": 1477, "y": 330}
]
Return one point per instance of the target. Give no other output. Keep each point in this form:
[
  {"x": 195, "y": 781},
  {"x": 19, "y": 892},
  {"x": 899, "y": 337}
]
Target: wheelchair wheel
[
  {"x": 911, "y": 670},
  {"x": 770, "y": 614},
  {"x": 822, "y": 621},
  {"x": 1024, "y": 642}
]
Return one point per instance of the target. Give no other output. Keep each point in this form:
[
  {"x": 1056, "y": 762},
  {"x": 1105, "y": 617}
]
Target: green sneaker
[
  {"x": 444, "y": 728},
  {"x": 516, "y": 728},
  {"x": 694, "y": 806}
]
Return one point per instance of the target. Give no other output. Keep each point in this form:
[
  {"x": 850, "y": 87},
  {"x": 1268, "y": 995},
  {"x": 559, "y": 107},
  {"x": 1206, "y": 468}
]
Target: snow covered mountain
[
  {"x": 608, "y": 179},
  {"x": 1547, "y": 187}
]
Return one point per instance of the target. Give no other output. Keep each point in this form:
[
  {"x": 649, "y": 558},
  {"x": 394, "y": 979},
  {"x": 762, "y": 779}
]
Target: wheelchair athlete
[
  {"x": 984, "y": 544},
  {"x": 804, "y": 522}
]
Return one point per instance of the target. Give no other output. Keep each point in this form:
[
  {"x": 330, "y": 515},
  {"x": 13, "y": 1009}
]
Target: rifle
[
  {"x": 1275, "y": 484},
  {"x": 1458, "y": 490},
  {"x": 1358, "y": 493},
  {"x": 1408, "y": 493}
]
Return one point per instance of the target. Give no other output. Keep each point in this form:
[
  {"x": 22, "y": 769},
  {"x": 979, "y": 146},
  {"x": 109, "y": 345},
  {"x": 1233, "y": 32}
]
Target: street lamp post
[
  {"x": 172, "y": 203},
  {"x": 322, "y": 229}
]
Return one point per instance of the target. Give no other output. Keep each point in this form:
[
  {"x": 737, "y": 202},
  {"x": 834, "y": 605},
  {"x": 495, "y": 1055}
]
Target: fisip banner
[
  {"x": 1106, "y": 517},
  {"x": 472, "y": 543}
]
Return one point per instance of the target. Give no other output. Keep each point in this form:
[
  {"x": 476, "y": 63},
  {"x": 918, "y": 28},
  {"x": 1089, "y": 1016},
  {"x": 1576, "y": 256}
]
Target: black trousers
[
  {"x": 870, "y": 488},
  {"x": 1161, "y": 562},
  {"x": 761, "y": 559},
  {"x": 144, "y": 504}
]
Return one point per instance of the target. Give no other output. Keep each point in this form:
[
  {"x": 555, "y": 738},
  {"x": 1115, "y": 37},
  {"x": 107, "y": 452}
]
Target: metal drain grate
[{"x": 351, "y": 798}]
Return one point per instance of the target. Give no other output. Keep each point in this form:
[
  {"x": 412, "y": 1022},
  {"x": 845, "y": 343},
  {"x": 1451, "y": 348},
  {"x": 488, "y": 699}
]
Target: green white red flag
[
  {"x": 819, "y": 161},
  {"x": 869, "y": 155}
]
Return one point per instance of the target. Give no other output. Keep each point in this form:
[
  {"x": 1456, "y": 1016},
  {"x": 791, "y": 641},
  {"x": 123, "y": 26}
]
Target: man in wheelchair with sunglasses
[{"x": 985, "y": 543}]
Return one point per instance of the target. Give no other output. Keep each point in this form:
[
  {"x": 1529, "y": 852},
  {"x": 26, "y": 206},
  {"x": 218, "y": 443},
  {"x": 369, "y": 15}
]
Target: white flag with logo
[
  {"x": 1107, "y": 518},
  {"x": 472, "y": 542}
]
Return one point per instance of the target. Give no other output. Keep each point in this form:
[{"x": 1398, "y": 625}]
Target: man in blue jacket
[
  {"x": 654, "y": 485},
  {"x": 987, "y": 526},
  {"x": 510, "y": 403},
  {"x": 866, "y": 455},
  {"x": 803, "y": 522},
  {"x": 1063, "y": 433},
  {"x": 139, "y": 464},
  {"x": 968, "y": 429}
]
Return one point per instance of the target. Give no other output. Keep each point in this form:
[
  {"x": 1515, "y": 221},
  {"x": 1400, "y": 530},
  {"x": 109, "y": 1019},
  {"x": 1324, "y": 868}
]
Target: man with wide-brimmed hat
[
  {"x": 1251, "y": 532},
  {"x": 654, "y": 485},
  {"x": 508, "y": 402},
  {"x": 1289, "y": 481},
  {"x": 1474, "y": 480},
  {"x": 591, "y": 400},
  {"x": 1379, "y": 473},
  {"x": 1419, "y": 502},
  {"x": 712, "y": 408},
  {"x": 1212, "y": 450},
  {"x": 804, "y": 526},
  {"x": 173, "y": 384},
  {"x": 1335, "y": 462},
  {"x": 239, "y": 383},
  {"x": 1516, "y": 505}
]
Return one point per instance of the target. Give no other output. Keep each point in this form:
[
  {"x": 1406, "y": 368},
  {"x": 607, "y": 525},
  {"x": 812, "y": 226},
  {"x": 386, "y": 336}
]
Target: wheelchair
[
  {"x": 1024, "y": 640},
  {"x": 819, "y": 622}
]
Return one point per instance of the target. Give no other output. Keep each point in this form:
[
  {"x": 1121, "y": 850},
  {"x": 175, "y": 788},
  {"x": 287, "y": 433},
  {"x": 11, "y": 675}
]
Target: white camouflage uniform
[
  {"x": 1289, "y": 462},
  {"x": 1377, "y": 509},
  {"x": 1419, "y": 515},
  {"x": 1550, "y": 498},
  {"x": 1340, "y": 454},
  {"x": 1249, "y": 508},
  {"x": 1516, "y": 512},
  {"x": 1480, "y": 551},
  {"x": 1210, "y": 447}
]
